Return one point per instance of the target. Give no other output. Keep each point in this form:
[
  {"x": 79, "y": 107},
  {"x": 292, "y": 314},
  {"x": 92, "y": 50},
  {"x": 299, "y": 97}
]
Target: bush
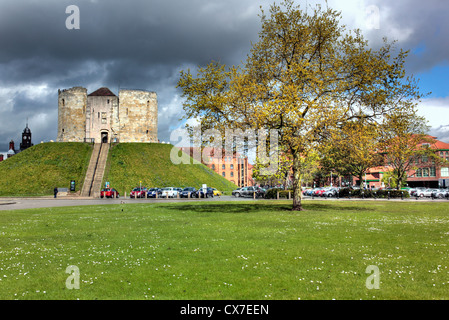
[{"x": 383, "y": 194}]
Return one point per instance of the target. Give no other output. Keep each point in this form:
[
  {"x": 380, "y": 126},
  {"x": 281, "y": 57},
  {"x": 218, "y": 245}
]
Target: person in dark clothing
[{"x": 55, "y": 191}]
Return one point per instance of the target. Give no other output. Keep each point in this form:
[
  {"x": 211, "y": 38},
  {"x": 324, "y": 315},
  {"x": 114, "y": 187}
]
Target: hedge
[
  {"x": 359, "y": 193},
  {"x": 346, "y": 193}
]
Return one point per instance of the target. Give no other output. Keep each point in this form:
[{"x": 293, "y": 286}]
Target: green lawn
[{"x": 227, "y": 250}]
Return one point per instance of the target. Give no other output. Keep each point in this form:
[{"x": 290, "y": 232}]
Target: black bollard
[
  {"x": 402, "y": 195},
  {"x": 388, "y": 195}
]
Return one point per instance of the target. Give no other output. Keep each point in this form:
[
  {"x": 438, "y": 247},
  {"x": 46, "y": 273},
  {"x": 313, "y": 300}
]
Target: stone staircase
[{"x": 95, "y": 171}]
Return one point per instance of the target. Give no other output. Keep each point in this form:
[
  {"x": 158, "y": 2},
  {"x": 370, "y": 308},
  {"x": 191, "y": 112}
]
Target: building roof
[
  {"x": 102, "y": 92},
  {"x": 441, "y": 145}
]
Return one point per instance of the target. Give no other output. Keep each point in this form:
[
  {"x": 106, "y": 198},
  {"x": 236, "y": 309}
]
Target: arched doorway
[{"x": 104, "y": 137}]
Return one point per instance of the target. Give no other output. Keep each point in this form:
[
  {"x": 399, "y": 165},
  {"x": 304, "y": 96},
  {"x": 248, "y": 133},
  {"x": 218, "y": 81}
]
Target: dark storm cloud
[
  {"x": 131, "y": 44},
  {"x": 421, "y": 27},
  {"x": 142, "y": 31}
]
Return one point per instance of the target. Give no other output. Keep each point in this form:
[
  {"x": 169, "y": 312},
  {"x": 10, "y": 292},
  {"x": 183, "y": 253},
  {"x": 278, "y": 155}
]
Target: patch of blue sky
[{"x": 436, "y": 80}]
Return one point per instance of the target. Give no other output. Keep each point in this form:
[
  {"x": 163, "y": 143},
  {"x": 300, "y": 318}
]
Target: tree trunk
[
  {"x": 297, "y": 195},
  {"x": 361, "y": 180},
  {"x": 400, "y": 178}
]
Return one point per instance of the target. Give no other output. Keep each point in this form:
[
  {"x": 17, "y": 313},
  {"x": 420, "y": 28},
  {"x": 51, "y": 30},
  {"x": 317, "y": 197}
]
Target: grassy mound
[
  {"x": 39, "y": 169},
  {"x": 130, "y": 163}
]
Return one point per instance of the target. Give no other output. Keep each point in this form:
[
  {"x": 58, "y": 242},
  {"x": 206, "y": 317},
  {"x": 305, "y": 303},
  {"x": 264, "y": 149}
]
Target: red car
[
  {"x": 138, "y": 192},
  {"x": 109, "y": 193}
]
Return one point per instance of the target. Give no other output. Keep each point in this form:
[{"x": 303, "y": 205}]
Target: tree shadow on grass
[{"x": 262, "y": 207}]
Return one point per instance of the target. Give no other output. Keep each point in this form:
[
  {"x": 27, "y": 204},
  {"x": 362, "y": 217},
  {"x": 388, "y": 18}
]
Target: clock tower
[{"x": 26, "y": 138}]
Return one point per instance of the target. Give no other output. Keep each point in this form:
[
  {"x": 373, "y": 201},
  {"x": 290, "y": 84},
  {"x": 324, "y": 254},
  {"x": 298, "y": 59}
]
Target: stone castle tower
[{"x": 101, "y": 116}]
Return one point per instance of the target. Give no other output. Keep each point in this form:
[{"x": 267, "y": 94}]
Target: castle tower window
[{"x": 63, "y": 102}]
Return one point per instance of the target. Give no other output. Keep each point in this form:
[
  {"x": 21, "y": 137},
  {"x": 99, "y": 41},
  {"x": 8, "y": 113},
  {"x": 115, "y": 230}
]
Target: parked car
[
  {"x": 425, "y": 193},
  {"x": 246, "y": 192},
  {"x": 152, "y": 192},
  {"x": 208, "y": 193},
  {"x": 186, "y": 191},
  {"x": 109, "y": 193},
  {"x": 318, "y": 191},
  {"x": 331, "y": 192},
  {"x": 240, "y": 192},
  {"x": 260, "y": 192},
  {"x": 138, "y": 192},
  {"x": 216, "y": 192},
  {"x": 414, "y": 190},
  {"x": 439, "y": 193},
  {"x": 304, "y": 191},
  {"x": 234, "y": 192},
  {"x": 309, "y": 192},
  {"x": 169, "y": 192}
]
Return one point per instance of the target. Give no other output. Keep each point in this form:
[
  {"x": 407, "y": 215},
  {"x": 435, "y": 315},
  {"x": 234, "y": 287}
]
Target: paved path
[{"x": 47, "y": 202}]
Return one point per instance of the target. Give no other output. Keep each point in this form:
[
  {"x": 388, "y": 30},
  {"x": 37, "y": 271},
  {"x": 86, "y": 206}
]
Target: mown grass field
[
  {"x": 227, "y": 250},
  {"x": 150, "y": 163},
  {"x": 39, "y": 169}
]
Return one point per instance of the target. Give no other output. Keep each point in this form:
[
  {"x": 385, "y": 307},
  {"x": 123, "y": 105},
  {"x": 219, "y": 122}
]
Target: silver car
[
  {"x": 440, "y": 193},
  {"x": 425, "y": 193}
]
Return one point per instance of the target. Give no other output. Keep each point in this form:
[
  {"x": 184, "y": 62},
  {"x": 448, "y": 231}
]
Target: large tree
[
  {"x": 305, "y": 76},
  {"x": 404, "y": 140},
  {"x": 353, "y": 149}
]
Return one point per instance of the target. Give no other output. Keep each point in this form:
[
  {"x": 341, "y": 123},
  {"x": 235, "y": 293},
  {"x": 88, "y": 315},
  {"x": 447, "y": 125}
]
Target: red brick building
[
  {"x": 236, "y": 168},
  {"x": 427, "y": 173}
]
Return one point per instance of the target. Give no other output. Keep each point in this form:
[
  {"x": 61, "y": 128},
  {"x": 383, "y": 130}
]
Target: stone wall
[
  {"x": 72, "y": 114},
  {"x": 138, "y": 116}
]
